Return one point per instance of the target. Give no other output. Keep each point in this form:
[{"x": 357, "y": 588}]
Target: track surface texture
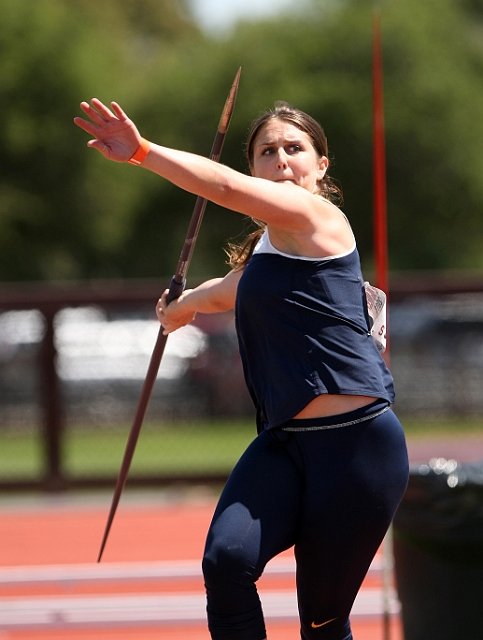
[{"x": 149, "y": 583}]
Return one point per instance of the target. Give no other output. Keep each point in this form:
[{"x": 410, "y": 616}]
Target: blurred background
[{"x": 87, "y": 246}]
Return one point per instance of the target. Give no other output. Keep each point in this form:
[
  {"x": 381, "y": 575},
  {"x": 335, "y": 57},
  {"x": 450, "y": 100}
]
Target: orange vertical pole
[
  {"x": 379, "y": 165},
  {"x": 381, "y": 250}
]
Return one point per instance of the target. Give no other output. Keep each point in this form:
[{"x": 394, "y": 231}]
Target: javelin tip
[{"x": 229, "y": 104}]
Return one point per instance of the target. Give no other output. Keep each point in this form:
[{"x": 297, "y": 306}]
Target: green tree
[
  {"x": 64, "y": 212},
  {"x": 67, "y": 213},
  {"x": 433, "y": 54},
  {"x": 320, "y": 60}
]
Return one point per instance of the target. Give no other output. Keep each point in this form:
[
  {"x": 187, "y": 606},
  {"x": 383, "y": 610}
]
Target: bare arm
[
  {"x": 285, "y": 206},
  {"x": 212, "y": 296}
]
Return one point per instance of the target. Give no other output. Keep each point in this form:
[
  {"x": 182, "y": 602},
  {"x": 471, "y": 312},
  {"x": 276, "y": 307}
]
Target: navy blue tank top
[{"x": 303, "y": 330}]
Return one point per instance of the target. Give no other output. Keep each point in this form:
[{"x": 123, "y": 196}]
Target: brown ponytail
[{"x": 240, "y": 254}]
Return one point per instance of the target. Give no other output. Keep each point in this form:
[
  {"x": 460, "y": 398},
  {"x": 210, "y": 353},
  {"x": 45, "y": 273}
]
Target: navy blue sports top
[{"x": 303, "y": 330}]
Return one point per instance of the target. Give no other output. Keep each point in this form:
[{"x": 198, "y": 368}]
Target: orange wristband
[{"x": 141, "y": 153}]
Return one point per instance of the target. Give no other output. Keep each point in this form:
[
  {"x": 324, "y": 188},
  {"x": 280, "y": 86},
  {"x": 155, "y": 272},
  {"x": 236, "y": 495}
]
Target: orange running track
[{"x": 48, "y": 548}]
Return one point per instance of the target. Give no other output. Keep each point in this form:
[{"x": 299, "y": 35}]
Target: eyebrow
[{"x": 269, "y": 141}]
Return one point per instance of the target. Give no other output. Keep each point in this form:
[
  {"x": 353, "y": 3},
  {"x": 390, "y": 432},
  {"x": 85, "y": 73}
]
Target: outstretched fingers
[
  {"x": 92, "y": 113},
  {"x": 100, "y": 115},
  {"x": 98, "y": 110},
  {"x": 118, "y": 111},
  {"x": 87, "y": 126},
  {"x": 116, "y": 136}
]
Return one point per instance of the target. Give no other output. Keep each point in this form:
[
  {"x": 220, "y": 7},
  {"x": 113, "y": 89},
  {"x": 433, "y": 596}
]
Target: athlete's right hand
[{"x": 115, "y": 135}]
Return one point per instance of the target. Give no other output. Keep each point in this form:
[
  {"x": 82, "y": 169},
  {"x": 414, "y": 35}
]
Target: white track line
[
  {"x": 148, "y": 608},
  {"x": 54, "y": 611},
  {"x": 128, "y": 571}
]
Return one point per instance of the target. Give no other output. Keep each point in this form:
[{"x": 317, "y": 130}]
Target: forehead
[{"x": 279, "y": 129}]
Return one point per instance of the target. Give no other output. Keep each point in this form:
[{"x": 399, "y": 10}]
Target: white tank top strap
[{"x": 265, "y": 246}]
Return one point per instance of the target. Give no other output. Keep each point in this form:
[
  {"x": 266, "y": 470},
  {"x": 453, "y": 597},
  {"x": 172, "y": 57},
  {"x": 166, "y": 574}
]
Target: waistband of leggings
[{"x": 369, "y": 411}]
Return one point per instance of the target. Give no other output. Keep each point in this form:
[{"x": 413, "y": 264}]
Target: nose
[{"x": 281, "y": 159}]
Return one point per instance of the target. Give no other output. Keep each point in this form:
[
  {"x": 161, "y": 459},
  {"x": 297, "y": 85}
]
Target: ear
[{"x": 322, "y": 168}]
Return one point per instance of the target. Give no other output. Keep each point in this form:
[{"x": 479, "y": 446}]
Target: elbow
[
  {"x": 226, "y": 192},
  {"x": 221, "y": 304}
]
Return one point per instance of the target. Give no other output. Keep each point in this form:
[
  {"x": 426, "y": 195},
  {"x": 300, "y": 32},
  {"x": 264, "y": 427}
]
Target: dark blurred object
[{"x": 438, "y": 552}]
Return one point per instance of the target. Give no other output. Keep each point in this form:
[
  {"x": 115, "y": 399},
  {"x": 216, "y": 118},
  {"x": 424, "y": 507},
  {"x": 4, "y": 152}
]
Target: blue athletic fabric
[
  {"x": 327, "y": 486},
  {"x": 303, "y": 330},
  {"x": 332, "y": 493}
]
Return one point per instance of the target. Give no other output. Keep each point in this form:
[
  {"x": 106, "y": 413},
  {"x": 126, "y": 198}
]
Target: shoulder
[{"x": 329, "y": 235}]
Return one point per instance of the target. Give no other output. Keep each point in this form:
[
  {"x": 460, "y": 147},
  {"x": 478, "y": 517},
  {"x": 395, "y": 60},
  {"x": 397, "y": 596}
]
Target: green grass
[
  {"x": 181, "y": 448},
  {"x": 171, "y": 449},
  {"x": 20, "y": 456},
  {"x": 442, "y": 426}
]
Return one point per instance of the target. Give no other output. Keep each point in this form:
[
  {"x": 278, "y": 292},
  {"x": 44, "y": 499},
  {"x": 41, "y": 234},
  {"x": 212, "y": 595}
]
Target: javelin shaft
[
  {"x": 175, "y": 290},
  {"x": 179, "y": 279}
]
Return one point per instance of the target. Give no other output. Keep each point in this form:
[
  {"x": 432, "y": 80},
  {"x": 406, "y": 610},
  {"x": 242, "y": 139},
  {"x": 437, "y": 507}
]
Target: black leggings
[{"x": 329, "y": 493}]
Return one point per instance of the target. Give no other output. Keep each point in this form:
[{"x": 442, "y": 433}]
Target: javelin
[{"x": 176, "y": 288}]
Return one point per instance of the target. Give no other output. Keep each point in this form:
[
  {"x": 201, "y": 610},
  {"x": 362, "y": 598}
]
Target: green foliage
[
  {"x": 434, "y": 98},
  {"x": 63, "y": 211},
  {"x": 170, "y": 448},
  {"x": 433, "y": 55},
  {"x": 67, "y": 213},
  {"x": 162, "y": 449}
]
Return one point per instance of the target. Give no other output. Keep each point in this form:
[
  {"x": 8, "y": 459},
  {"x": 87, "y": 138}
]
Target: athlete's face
[{"x": 284, "y": 153}]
